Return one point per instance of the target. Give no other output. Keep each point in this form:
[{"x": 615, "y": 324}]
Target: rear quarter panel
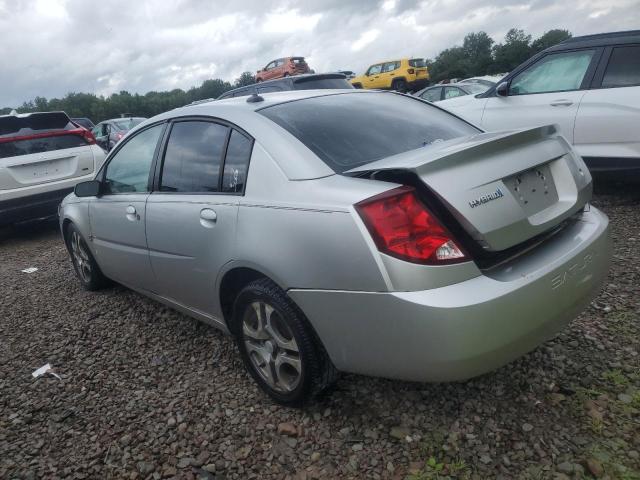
[{"x": 302, "y": 234}]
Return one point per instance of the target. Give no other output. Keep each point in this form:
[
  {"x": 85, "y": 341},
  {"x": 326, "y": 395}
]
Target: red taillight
[
  {"x": 402, "y": 227},
  {"x": 411, "y": 71}
]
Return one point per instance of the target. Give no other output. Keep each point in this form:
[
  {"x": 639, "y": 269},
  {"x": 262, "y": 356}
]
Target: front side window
[
  {"x": 374, "y": 70},
  {"x": 352, "y": 129},
  {"x": 623, "y": 69},
  {"x": 557, "y": 72},
  {"x": 193, "y": 157},
  {"x": 432, "y": 95},
  {"x": 236, "y": 162},
  {"x": 128, "y": 170}
]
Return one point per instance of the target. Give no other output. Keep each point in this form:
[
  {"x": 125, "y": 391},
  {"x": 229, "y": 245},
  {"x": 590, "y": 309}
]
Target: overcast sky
[{"x": 51, "y": 47}]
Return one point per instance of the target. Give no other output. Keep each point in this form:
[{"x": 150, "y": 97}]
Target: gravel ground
[{"x": 145, "y": 392}]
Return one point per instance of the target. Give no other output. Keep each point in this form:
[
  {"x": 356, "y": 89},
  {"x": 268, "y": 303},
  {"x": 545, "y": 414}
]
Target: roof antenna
[{"x": 255, "y": 98}]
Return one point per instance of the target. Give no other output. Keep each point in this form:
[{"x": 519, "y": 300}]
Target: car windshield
[
  {"x": 349, "y": 130},
  {"x": 127, "y": 123},
  {"x": 417, "y": 62}
]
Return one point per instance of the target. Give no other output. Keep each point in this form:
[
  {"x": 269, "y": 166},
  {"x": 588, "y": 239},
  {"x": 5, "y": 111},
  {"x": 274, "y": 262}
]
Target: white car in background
[
  {"x": 589, "y": 86},
  {"x": 42, "y": 157}
]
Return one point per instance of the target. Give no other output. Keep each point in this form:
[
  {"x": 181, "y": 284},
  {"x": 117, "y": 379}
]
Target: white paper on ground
[
  {"x": 30, "y": 270},
  {"x": 44, "y": 369}
]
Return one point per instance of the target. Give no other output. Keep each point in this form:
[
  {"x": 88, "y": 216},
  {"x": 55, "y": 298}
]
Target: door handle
[
  {"x": 561, "y": 103},
  {"x": 132, "y": 215},
  {"x": 208, "y": 217}
]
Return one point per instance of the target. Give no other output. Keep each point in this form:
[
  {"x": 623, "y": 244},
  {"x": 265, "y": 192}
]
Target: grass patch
[{"x": 435, "y": 470}]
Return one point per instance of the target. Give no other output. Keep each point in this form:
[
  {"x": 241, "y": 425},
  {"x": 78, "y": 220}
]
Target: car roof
[{"x": 598, "y": 40}]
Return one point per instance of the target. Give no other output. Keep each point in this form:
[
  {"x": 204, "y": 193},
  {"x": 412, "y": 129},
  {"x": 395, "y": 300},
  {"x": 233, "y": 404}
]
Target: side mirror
[
  {"x": 502, "y": 90},
  {"x": 90, "y": 188}
]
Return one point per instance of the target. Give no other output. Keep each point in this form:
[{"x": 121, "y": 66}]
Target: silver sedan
[{"x": 356, "y": 231}]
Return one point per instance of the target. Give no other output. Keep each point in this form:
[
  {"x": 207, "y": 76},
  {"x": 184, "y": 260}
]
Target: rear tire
[
  {"x": 88, "y": 272},
  {"x": 399, "y": 85},
  {"x": 278, "y": 345},
  {"x": 258, "y": 80}
]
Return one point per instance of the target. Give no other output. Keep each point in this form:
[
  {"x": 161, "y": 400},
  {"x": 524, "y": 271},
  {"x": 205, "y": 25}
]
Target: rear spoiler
[
  {"x": 11, "y": 124},
  {"x": 83, "y": 132}
]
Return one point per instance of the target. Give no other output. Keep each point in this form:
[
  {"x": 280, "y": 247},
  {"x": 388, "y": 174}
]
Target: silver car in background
[{"x": 356, "y": 231}]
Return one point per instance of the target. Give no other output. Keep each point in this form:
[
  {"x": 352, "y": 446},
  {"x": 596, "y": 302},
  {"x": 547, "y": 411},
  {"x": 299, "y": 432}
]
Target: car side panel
[{"x": 607, "y": 123}]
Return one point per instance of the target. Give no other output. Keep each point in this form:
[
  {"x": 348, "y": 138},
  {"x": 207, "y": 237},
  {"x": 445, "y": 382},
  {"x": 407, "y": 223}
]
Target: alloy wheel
[
  {"x": 271, "y": 347},
  {"x": 80, "y": 257}
]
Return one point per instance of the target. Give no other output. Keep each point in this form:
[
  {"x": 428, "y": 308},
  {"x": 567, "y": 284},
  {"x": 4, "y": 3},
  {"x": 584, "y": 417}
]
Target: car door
[
  {"x": 373, "y": 76},
  {"x": 387, "y": 74},
  {"x": 117, "y": 216},
  {"x": 547, "y": 91},
  {"x": 606, "y": 131},
  {"x": 268, "y": 70},
  {"x": 191, "y": 215}
]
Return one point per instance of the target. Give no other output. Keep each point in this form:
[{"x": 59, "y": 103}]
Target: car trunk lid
[{"x": 502, "y": 188}]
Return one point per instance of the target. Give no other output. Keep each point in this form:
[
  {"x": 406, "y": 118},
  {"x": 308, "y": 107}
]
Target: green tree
[
  {"x": 515, "y": 50},
  {"x": 449, "y": 63},
  {"x": 549, "y": 39},
  {"x": 246, "y": 78},
  {"x": 477, "y": 50}
]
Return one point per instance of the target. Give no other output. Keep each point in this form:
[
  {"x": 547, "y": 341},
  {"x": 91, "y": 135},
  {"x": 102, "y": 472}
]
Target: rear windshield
[
  {"x": 297, "y": 59},
  {"x": 417, "y": 62},
  {"x": 322, "y": 83},
  {"x": 40, "y": 125},
  {"x": 348, "y": 130},
  {"x": 40, "y": 145}
]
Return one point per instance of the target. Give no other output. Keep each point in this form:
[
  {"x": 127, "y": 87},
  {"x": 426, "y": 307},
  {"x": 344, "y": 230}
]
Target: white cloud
[
  {"x": 51, "y": 47},
  {"x": 365, "y": 39}
]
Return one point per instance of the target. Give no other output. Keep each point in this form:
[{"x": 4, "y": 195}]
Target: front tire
[
  {"x": 278, "y": 345},
  {"x": 87, "y": 270},
  {"x": 399, "y": 85}
]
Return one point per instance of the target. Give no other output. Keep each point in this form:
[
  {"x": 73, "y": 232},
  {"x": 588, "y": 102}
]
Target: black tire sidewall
[
  {"x": 399, "y": 85},
  {"x": 256, "y": 292}
]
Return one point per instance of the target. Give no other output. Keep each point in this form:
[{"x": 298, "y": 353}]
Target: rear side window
[
  {"x": 623, "y": 69},
  {"x": 39, "y": 145},
  {"x": 193, "y": 157},
  {"x": 236, "y": 163},
  {"x": 352, "y": 129},
  {"x": 558, "y": 72}
]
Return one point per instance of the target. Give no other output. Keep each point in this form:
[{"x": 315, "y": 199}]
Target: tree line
[{"x": 478, "y": 55}]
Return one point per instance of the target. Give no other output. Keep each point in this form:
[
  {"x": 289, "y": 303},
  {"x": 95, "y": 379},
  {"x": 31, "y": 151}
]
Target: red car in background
[{"x": 283, "y": 67}]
